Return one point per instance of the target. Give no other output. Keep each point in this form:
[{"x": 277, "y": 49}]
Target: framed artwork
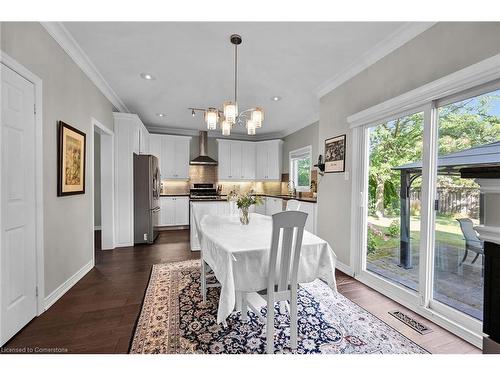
[
  {"x": 70, "y": 161},
  {"x": 335, "y": 154}
]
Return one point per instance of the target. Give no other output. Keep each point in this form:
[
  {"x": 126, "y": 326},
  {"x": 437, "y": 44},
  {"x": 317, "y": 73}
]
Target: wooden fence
[{"x": 464, "y": 201}]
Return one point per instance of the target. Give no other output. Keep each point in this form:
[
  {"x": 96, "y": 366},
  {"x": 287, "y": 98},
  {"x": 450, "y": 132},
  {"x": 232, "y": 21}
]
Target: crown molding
[
  {"x": 474, "y": 75},
  {"x": 155, "y": 129},
  {"x": 64, "y": 38},
  {"x": 399, "y": 37},
  {"x": 313, "y": 119}
]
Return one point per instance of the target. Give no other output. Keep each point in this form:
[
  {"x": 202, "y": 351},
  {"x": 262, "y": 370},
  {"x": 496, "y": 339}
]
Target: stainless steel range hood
[{"x": 203, "y": 159}]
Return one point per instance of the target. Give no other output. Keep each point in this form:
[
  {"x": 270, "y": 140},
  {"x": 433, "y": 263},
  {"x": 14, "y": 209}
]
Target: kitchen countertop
[
  {"x": 288, "y": 197},
  {"x": 223, "y": 198},
  {"x": 285, "y": 197}
]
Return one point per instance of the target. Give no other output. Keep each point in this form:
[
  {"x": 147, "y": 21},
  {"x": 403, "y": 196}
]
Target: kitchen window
[{"x": 300, "y": 168}]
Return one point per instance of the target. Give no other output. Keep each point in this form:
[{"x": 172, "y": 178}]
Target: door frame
[
  {"x": 39, "y": 222},
  {"x": 107, "y": 186}
]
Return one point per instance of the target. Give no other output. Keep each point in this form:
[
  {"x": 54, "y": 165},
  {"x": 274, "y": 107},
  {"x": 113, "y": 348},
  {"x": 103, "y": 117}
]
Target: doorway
[
  {"x": 21, "y": 220},
  {"x": 103, "y": 170}
]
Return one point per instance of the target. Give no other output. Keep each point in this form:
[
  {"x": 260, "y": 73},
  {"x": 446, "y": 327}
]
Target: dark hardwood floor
[{"x": 99, "y": 313}]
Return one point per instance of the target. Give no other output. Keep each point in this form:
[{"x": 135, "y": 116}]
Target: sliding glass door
[
  {"x": 468, "y": 132},
  {"x": 393, "y": 215},
  {"x": 420, "y": 201}
]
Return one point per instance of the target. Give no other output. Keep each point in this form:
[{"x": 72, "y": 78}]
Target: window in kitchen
[{"x": 300, "y": 168}]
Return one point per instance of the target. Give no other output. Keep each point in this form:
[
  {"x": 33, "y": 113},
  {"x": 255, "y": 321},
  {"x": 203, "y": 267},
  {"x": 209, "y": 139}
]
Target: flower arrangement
[{"x": 244, "y": 201}]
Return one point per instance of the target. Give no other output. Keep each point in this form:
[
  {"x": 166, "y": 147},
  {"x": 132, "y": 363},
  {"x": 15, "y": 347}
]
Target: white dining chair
[
  {"x": 293, "y": 205},
  {"x": 206, "y": 272},
  {"x": 282, "y": 282}
]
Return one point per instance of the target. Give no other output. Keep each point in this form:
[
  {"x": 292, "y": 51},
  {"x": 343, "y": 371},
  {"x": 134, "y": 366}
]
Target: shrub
[
  {"x": 371, "y": 241},
  {"x": 393, "y": 229}
]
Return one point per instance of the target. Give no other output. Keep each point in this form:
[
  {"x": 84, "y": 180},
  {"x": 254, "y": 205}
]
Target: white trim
[
  {"x": 389, "y": 44},
  {"x": 475, "y": 75},
  {"x": 309, "y": 121},
  {"x": 163, "y": 130},
  {"x": 344, "y": 268},
  {"x": 67, "y": 285},
  {"x": 291, "y": 155},
  {"x": 421, "y": 302},
  {"x": 37, "y": 82},
  {"x": 64, "y": 38},
  {"x": 108, "y": 196},
  {"x": 488, "y": 233}
]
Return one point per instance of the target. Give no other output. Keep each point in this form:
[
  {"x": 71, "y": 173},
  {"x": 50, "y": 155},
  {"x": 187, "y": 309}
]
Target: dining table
[{"x": 239, "y": 256}]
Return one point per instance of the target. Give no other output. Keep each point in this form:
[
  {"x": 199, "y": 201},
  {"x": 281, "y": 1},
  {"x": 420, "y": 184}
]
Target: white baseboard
[
  {"x": 344, "y": 268},
  {"x": 64, "y": 287}
]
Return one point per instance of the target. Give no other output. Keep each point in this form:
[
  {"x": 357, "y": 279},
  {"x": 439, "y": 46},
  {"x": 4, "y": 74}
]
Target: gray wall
[
  {"x": 439, "y": 51},
  {"x": 97, "y": 179},
  {"x": 307, "y": 136},
  {"x": 70, "y": 96}
]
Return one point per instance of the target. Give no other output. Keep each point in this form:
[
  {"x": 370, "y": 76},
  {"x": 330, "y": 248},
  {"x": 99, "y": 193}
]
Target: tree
[
  {"x": 462, "y": 125},
  {"x": 391, "y": 144}
]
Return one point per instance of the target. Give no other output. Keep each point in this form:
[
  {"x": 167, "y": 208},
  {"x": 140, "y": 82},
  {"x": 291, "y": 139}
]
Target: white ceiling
[{"x": 193, "y": 65}]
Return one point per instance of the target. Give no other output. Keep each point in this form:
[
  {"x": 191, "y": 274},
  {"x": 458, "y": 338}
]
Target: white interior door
[{"x": 18, "y": 250}]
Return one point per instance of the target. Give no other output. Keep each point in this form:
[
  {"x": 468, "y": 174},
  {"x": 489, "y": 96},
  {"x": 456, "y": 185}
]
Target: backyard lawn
[{"x": 385, "y": 241}]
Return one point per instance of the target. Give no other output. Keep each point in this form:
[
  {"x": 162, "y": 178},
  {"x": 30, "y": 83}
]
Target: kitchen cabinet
[
  {"x": 224, "y": 162},
  {"x": 236, "y": 160},
  {"x": 273, "y": 205},
  {"x": 244, "y": 160},
  {"x": 174, "y": 211},
  {"x": 261, "y": 208},
  {"x": 268, "y": 160},
  {"x": 173, "y": 154},
  {"x": 236, "y": 163},
  {"x": 248, "y": 160},
  {"x": 310, "y": 209}
]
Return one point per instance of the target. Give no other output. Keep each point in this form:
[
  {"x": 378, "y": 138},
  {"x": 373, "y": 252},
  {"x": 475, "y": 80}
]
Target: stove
[{"x": 203, "y": 191}]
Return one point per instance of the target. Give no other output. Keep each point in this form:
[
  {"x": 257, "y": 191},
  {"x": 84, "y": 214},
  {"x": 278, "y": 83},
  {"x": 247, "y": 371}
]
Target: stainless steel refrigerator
[{"x": 147, "y": 186}]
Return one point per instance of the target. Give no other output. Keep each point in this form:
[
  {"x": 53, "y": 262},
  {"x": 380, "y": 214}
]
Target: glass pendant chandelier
[
  {"x": 211, "y": 118},
  {"x": 251, "y": 127},
  {"x": 229, "y": 116},
  {"x": 226, "y": 127}
]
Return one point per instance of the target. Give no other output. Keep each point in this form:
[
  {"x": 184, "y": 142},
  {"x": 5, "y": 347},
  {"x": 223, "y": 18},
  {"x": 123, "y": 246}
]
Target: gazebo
[{"x": 476, "y": 162}]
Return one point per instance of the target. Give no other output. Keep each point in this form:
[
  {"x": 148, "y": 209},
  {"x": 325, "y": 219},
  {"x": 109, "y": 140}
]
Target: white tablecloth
[{"x": 239, "y": 256}]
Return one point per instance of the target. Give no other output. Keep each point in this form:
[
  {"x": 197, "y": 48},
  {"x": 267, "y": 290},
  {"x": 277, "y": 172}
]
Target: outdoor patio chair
[{"x": 472, "y": 241}]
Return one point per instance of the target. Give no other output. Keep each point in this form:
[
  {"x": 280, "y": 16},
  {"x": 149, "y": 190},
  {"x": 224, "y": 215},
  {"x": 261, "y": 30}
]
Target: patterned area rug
[{"x": 174, "y": 319}]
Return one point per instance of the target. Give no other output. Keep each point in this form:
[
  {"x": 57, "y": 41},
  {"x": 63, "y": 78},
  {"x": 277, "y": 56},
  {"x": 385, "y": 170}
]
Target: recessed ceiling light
[
  {"x": 147, "y": 76},
  {"x": 276, "y": 98},
  {"x": 160, "y": 114}
]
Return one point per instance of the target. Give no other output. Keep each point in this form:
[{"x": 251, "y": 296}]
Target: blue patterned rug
[{"x": 174, "y": 319}]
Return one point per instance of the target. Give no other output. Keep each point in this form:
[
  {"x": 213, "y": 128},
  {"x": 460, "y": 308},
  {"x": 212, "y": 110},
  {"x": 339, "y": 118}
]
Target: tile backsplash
[{"x": 208, "y": 174}]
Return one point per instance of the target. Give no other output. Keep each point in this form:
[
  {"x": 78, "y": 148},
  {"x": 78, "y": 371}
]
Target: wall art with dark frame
[
  {"x": 71, "y": 166},
  {"x": 335, "y": 154}
]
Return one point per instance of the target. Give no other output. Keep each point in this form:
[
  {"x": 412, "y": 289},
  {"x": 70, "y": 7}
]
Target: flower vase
[{"x": 244, "y": 218}]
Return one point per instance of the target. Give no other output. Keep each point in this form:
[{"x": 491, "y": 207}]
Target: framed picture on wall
[
  {"x": 335, "y": 154},
  {"x": 70, "y": 160}
]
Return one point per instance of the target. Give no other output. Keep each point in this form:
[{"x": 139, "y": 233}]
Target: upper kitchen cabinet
[
  {"x": 236, "y": 160},
  {"x": 173, "y": 154},
  {"x": 244, "y": 160},
  {"x": 268, "y": 158},
  {"x": 248, "y": 160}
]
